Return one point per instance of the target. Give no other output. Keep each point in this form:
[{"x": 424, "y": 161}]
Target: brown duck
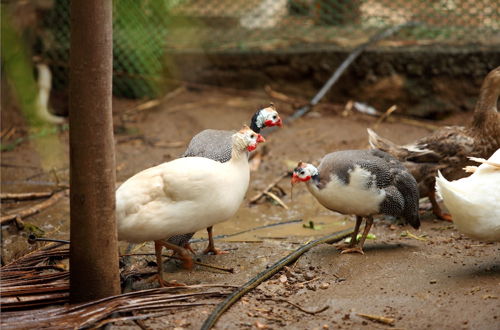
[{"x": 448, "y": 148}]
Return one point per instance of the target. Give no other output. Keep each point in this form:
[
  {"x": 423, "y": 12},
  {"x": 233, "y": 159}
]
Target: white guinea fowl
[
  {"x": 363, "y": 183},
  {"x": 474, "y": 201},
  {"x": 183, "y": 196}
]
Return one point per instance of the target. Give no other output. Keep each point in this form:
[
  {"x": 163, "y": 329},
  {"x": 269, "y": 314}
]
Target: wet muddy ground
[{"x": 433, "y": 278}]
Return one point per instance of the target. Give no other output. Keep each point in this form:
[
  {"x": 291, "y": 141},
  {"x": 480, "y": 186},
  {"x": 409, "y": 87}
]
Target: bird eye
[
  {"x": 252, "y": 136},
  {"x": 274, "y": 117},
  {"x": 302, "y": 172}
]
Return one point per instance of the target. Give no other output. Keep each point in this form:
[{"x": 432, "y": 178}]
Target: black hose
[{"x": 343, "y": 66}]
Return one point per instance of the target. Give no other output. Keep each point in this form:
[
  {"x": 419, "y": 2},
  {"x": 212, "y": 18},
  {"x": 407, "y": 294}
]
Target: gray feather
[
  {"x": 211, "y": 143},
  {"x": 180, "y": 240},
  {"x": 388, "y": 174}
]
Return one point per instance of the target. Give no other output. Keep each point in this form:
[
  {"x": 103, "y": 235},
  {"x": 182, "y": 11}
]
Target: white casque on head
[{"x": 268, "y": 117}]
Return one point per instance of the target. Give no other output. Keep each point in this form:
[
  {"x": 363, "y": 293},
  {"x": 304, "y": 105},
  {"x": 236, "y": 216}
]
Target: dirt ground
[{"x": 435, "y": 278}]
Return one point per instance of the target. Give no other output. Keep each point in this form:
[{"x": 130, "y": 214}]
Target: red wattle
[
  {"x": 252, "y": 147},
  {"x": 270, "y": 123},
  {"x": 296, "y": 178}
]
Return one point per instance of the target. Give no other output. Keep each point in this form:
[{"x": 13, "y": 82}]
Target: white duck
[
  {"x": 474, "y": 201},
  {"x": 364, "y": 183},
  {"x": 183, "y": 196}
]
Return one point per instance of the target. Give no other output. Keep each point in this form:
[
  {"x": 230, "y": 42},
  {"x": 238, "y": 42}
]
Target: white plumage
[
  {"x": 474, "y": 201},
  {"x": 183, "y": 196},
  {"x": 352, "y": 198},
  {"x": 178, "y": 197}
]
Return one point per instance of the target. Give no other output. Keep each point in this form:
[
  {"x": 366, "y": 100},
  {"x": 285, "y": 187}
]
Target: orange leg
[
  {"x": 359, "y": 248},
  {"x": 188, "y": 247},
  {"x": 436, "y": 209},
  {"x": 187, "y": 261},
  {"x": 211, "y": 246}
]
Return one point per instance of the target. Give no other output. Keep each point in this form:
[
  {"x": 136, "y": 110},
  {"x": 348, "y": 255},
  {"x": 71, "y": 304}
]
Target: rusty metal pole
[{"x": 94, "y": 271}]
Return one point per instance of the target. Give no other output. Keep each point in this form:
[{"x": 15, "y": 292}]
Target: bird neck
[
  {"x": 488, "y": 98},
  {"x": 256, "y": 123},
  {"x": 238, "y": 150},
  {"x": 314, "y": 181}
]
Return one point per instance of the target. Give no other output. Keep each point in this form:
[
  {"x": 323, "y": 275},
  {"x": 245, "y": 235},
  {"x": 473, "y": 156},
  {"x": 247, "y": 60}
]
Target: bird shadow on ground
[
  {"x": 490, "y": 269},
  {"x": 388, "y": 247}
]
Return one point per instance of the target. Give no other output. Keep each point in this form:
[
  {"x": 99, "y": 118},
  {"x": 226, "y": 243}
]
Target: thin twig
[
  {"x": 277, "y": 199},
  {"x": 282, "y": 97},
  {"x": 297, "y": 306},
  {"x": 25, "y": 196},
  {"x": 386, "y": 114},
  {"x": 229, "y": 270},
  {"x": 154, "y": 103},
  {"x": 381, "y": 319},
  {"x": 256, "y": 197},
  {"x": 29, "y": 211}
]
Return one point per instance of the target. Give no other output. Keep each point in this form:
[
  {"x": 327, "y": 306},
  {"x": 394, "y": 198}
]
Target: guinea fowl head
[
  {"x": 247, "y": 139},
  {"x": 266, "y": 117},
  {"x": 303, "y": 172}
]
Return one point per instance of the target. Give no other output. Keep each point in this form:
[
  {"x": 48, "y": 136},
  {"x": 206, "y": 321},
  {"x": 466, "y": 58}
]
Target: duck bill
[{"x": 260, "y": 139}]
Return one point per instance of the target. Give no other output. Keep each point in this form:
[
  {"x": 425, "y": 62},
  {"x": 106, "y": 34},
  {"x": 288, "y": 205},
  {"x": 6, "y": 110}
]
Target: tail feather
[{"x": 378, "y": 142}]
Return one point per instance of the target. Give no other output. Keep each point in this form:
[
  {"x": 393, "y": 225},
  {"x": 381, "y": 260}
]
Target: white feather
[
  {"x": 178, "y": 197},
  {"x": 354, "y": 198},
  {"x": 474, "y": 201}
]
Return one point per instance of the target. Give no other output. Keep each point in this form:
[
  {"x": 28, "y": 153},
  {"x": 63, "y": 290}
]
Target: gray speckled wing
[
  {"x": 342, "y": 162},
  {"x": 211, "y": 143},
  {"x": 389, "y": 174},
  {"x": 180, "y": 240},
  {"x": 407, "y": 186}
]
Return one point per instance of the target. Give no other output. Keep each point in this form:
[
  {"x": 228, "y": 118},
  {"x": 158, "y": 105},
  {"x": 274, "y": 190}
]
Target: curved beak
[
  {"x": 280, "y": 122},
  {"x": 260, "y": 139},
  {"x": 295, "y": 178}
]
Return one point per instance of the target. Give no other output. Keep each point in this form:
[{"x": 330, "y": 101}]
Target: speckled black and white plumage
[
  {"x": 180, "y": 240},
  {"x": 363, "y": 183},
  {"x": 212, "y": 144},
  {"x": 216, "y": 144},
  {"x": 388, "y": 174}
]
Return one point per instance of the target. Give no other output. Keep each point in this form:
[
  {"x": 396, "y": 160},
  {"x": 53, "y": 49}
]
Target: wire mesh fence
[{"x": 145, "y": 32}]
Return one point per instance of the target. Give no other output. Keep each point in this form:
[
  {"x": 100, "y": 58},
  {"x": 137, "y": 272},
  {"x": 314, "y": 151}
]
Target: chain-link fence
[{"x": 146, "y": 31}]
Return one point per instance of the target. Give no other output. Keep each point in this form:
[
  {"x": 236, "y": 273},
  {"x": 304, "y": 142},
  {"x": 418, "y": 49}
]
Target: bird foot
[
  {"x": 344, "y": 246},
  {"x": 445, "y": 217},
  {"x": 164, "y": 283},
  {"x": 352, "y": 250},
  {"x": 213, "y": 250}
]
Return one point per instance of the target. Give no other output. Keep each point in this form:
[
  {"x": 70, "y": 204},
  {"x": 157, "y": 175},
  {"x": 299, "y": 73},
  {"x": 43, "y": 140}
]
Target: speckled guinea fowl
[
  {"x": 216, "y": 145},
  {"x": 448, "y": 148},
  {"x": 363, "y": 183}
]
